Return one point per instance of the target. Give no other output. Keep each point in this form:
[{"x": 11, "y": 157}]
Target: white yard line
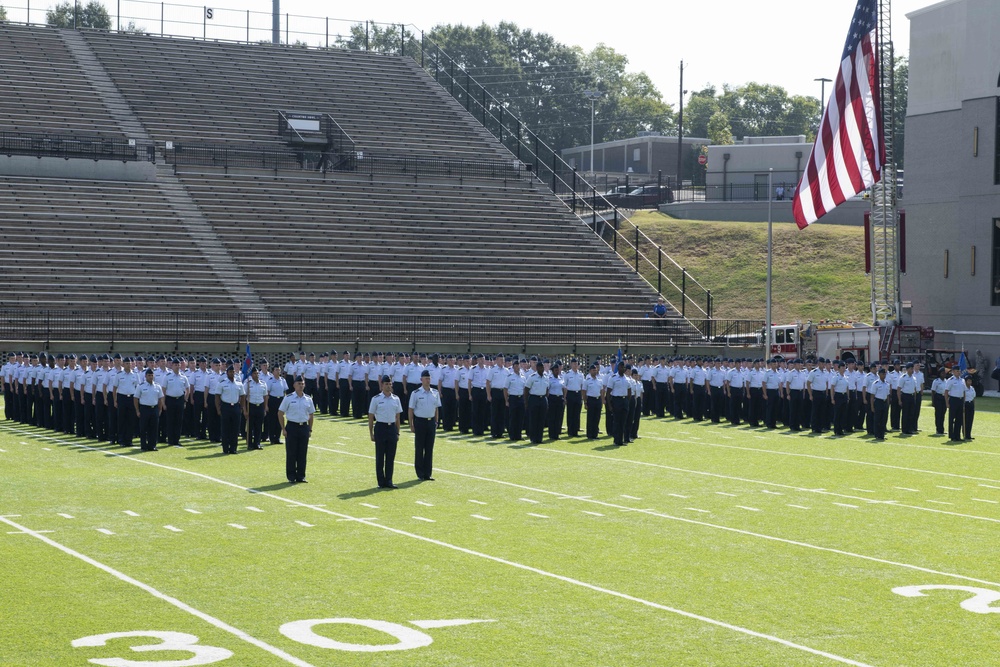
[
  {"x": 480, "y": 516},
  {"x": 528, "y": 500},
  {"x": 862, "y": 490},
  {"x": 369, "y": 506},
  {"x": 773, "y": 493},
  {"x": 592, "y": 513},
  {"x": 723, "y": 493},
  {"x": 695, "y": 509},
  {"x": 254, "y": 509},
  {"x": 172, "y": 529},
  {"x": 538, "y": 516},
  {"x": 853, "y": 507},
  {"x": 799, "y": 507},
  {"x": 677, "y": 495},
  {"x": 305, "y": 525},
  {"x": 237, "y": 526},
  {"x": 949, "y": 488},
  {"x": 105, "y": 531},
  {"x": 903, "y": 488},
  {"x": 420, "y": 502},
  {"x": 130, "y": 513},
  {"x": 567, "y": 579},
  {"x": 749, "y": 509},
  {"x": 420, "y": 518},
  {"x": 477, "y": 502},
  {"x": 630, "y": 497},
  {"x": 65, "y": 516},
  {"x": 225, "y": 627},
  {"x": 192, "y": 511},
  {"x": 987, "y": 486},
  {"x": 992, "y": 502}
]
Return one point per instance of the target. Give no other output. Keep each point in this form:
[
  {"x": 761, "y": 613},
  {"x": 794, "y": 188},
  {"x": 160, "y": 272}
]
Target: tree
[
  {"x": 902, "y": 74},
  {"x": 3, "y": 13},
  {"x": 755, "y": 109},
  {"x": 70, "y": 15},
  {"x": 720, "y": 132},
  {"x": 379, "y": 37}
]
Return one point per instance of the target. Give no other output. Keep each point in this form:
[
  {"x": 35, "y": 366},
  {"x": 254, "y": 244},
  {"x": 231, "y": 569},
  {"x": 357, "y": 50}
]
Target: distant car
[{"x": 647, "y": 196}]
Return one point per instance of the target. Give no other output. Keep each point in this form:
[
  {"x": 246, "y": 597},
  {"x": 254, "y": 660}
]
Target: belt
[
  {"x": 426, "y": 419},
  {"x": 385, "y": 423},
  {"x": 573, "y": 391},
  {"x": 232, "y": 405},
  {"x": 291, "y": 423},
  {"x": 175, "y": 397},
  {"x": 257, "y": 404}
]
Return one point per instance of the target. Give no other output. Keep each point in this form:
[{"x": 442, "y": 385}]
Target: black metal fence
[
  {"x": 276, "y": 159},
  {"x": 363, "y": 331},
  {"x": 91, "y": 147}
]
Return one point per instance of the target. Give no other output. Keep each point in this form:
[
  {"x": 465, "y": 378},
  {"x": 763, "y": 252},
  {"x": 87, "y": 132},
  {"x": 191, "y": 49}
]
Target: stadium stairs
[{"x": 351, "y": 243}]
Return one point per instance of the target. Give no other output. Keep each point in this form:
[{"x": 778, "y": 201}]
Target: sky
[{"x": 785, "y": 42}]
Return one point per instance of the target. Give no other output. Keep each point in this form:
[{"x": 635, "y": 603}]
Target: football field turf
[{"x": 698, "y": 544}]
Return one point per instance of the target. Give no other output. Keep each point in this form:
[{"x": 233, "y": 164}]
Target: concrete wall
[
  {"x": 748, "y": 161},
  {"x": 57, "y": 167},
  {"x": 850, "y": 213},
  {"x": 655, "y": 154},
  {"x": 951, "y": 198}
]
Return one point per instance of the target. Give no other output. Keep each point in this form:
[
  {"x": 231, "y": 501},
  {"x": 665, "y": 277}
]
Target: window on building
[
  {"x": 995, "y": 284},
  {"x": 636, "y": 155}
]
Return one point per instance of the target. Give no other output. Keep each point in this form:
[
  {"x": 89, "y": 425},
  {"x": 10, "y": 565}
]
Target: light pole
[
  {"x": 770, "y": 249},
  {"x": 680, "y": 130},
  {"x": 593, "y": 96},
  {"x": 822, "y": 93}
]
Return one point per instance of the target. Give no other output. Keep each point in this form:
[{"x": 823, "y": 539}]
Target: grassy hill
[{"x": 818, "y": 273}]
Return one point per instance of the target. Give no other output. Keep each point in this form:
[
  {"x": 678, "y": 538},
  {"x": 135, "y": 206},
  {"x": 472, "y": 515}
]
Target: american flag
[{"x": 849, "y": 151}]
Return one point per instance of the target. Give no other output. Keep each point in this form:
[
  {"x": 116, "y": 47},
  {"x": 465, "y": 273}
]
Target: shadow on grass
[
  {"x": 360, "y": 494},
  {"x": 270, "y": 487}
]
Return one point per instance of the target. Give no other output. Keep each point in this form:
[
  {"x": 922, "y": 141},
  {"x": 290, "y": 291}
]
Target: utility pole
[
  {"x": 680, "y": 131},
  {"x": 593, "y": 96}
]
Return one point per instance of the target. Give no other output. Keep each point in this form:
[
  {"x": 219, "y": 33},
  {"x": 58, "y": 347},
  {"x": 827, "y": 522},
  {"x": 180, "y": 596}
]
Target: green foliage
[
  {"x": 755, "y": 109},
  {"x": 3, "y": 13},
  {"x": 720, "y": 132},
  {"x": 380, "y": 38},
  {"x": 902, "y": 73},
  {"x": 91, "y": 15}
]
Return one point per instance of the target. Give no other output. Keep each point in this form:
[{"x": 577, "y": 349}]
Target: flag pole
[{"x": 770, "y": 248}]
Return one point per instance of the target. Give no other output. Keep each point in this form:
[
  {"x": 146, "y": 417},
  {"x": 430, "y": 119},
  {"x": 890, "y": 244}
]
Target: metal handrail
[
  {"x": 486, "y": 102},
  {"x": 93, "y": 147}
]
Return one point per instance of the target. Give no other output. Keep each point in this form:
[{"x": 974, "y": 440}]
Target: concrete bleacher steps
[{"x": 199, "y": 239}]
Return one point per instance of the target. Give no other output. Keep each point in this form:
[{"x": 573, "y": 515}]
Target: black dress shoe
[
  {"x": 303, "y": 481},
  {"x": 391, "y": 486}
]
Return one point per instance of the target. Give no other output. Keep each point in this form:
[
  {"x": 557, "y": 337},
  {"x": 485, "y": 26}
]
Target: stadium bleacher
[{"x": 346, "y": 241}]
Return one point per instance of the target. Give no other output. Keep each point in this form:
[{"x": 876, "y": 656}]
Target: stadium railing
[
  {"x": 296, "y": 159},
  {"x": 426, "y": 331},
  {"x": 76, "y": 146}
]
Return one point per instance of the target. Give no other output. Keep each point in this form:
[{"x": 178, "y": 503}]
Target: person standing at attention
[
  {"x": 383, "y": 429},
  {"x": 424, "y": 405},
  {"x": 295, "y": 415},
  {"x": 148, "y": 406}
]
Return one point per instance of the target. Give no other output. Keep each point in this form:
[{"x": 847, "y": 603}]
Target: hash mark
[
  {"x": 480, "y": 516},
  {"x": 751, "y": 509},
  {"x": 105, "y": 531},
  {"x": 540, "y": 516},
  {"x": 420, "y": 518},
  {"x": 173, "y": 530},
  {"x": 238, "y": 526},
  {"x": 303, "y": 523},
  {"x": 130, "y": 513},
  {"x": 695, "y": 509},
  {"x": 592, "y": 513},
  {"x": 846, "y": 505}
]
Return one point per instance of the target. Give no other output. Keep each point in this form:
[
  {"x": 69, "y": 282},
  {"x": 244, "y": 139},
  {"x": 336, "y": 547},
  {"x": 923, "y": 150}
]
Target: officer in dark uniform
[
  {"x": 593, "y": 396},
  {"x": 295, "y": 415},
  {"x": 620, "y": 391},
  {"x": 229, "y": 405},
  {"x": 536, "y": 389},
  {"x": 425, "y": 404},
  {"x": 175, "y": 389},
  {"x": 383, "y": 429},
  {"x": 256, "y": 408},
  {"x": 149, "y": 404}
]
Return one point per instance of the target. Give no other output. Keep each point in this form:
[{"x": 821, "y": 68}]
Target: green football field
[{"x": 696, "y": 545}]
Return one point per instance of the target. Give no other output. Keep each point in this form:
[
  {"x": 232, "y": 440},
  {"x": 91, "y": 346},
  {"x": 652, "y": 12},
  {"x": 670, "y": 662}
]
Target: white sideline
[
  {"x": 222, "y": 625},
  {"x": 496, "y": 559}
]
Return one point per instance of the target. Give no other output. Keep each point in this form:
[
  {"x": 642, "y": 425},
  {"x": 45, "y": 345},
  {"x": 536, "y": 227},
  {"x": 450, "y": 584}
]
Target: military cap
[
  {"x": 966, "y": 376},
  {"x": 386, "y": 378},
  {"x": 58, "y": 356},
  {"x": 881, "y": 370},
  {"x": 202, "y": 360},
  {"x": 298, "y": 378},
  {"x": 93, "y": 358},
  {"x": 118, "y": 355},
  {"x": 160, "y": 358},
  {"x": 909, "y": 364},
  {"x": 594, "y": 365},
  {"x": 254, "y": 369},
  {"x": 149, "y": 371},
  {"x": 230, "y": 367},
  {"x": 425, "y": 373},
  {"x": 312, "y": 354}
]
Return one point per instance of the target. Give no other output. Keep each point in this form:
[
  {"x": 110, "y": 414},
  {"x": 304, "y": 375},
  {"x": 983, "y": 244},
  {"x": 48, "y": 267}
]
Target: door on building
[{"x": 759, "y": 187}]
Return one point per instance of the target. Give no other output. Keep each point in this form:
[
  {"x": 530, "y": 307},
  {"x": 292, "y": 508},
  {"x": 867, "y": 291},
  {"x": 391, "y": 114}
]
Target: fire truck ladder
[{"x": 884, "y": 215}]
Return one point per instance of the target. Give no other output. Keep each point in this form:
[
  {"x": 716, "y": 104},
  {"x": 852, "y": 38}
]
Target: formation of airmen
[{"x": 109, "y": 398}]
